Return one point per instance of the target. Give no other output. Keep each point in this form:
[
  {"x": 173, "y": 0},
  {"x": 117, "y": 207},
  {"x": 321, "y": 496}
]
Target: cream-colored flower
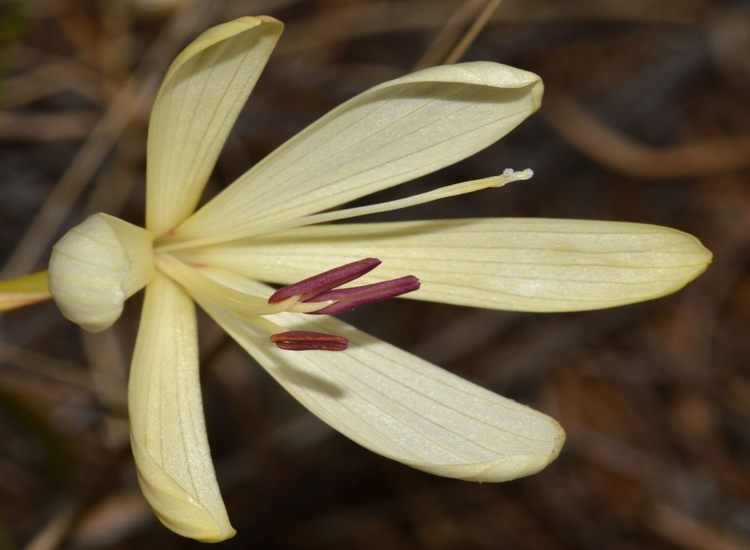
[{"x": 269, "y": 226}]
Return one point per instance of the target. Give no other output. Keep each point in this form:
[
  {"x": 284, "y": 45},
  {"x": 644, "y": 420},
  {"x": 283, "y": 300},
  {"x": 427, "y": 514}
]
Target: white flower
[{"x": 268, "y": 226}]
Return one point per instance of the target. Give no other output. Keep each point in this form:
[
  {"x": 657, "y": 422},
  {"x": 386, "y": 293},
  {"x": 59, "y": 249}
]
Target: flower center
[
  {"x": 317, "y": 295},
  {"x": 323, "y": 289}
]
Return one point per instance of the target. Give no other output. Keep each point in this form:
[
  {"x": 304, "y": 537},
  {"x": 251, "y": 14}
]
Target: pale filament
[{"x": 508, "y": 176}]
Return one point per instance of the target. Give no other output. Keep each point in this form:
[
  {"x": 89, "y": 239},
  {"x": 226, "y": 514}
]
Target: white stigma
[{"x": 515, "y": 175}]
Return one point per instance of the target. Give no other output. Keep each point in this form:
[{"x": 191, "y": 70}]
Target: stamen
[
  {"x": 303, "y": 340},
  {"x": 320, "y": 294},
  {"x": 350, "y": 298},
  {"x": 323, "y": 289},
  {"x": 312, "y": 286}
]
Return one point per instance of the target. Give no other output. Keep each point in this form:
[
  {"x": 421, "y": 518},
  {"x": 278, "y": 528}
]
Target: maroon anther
[
  {"x": 350, "y": 298},
  {"x": 312, "y": 286},
  {"x": 324, "y": 287},
  {"x": 302, "y": 340}
]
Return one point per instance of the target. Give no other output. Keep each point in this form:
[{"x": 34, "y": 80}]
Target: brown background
[{"x": 646, "y": 119}]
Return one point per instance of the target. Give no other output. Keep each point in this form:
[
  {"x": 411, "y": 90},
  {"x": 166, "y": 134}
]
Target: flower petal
[
  {"x": 167, "y": 427},
  {"x": 398, "y": 405},
  {"x": 387, "y": 135},
  {"x": 512, "y": 264},
  {"x": 23, "y": 291},
  {"x": 199, "y": 100}
]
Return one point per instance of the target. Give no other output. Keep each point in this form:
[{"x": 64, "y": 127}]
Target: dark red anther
[
  {"x": 324, "y": 288},
  {"x": 350, "y": 298},
  {"x": 301, "y": 340},
  {"x": 312, "y": 286}
]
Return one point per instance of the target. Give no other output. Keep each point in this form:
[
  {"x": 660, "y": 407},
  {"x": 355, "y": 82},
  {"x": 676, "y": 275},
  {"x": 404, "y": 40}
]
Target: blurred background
[{"x": 646, "y": 119}]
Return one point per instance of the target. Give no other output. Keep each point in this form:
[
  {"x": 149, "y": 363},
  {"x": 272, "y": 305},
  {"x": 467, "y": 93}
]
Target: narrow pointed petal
[
  {"x": 199, "y": 100},
  {"x": 402, "y": 407},
  {"x": 167, "y": 427},
  {"x": 23, "y": 291},
  {"x": 387, "y": 135},
  {"x": 540, "y": 265}
]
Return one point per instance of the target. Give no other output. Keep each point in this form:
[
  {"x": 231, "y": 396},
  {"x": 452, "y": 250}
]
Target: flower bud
[{"x": 96, "y": 266}]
